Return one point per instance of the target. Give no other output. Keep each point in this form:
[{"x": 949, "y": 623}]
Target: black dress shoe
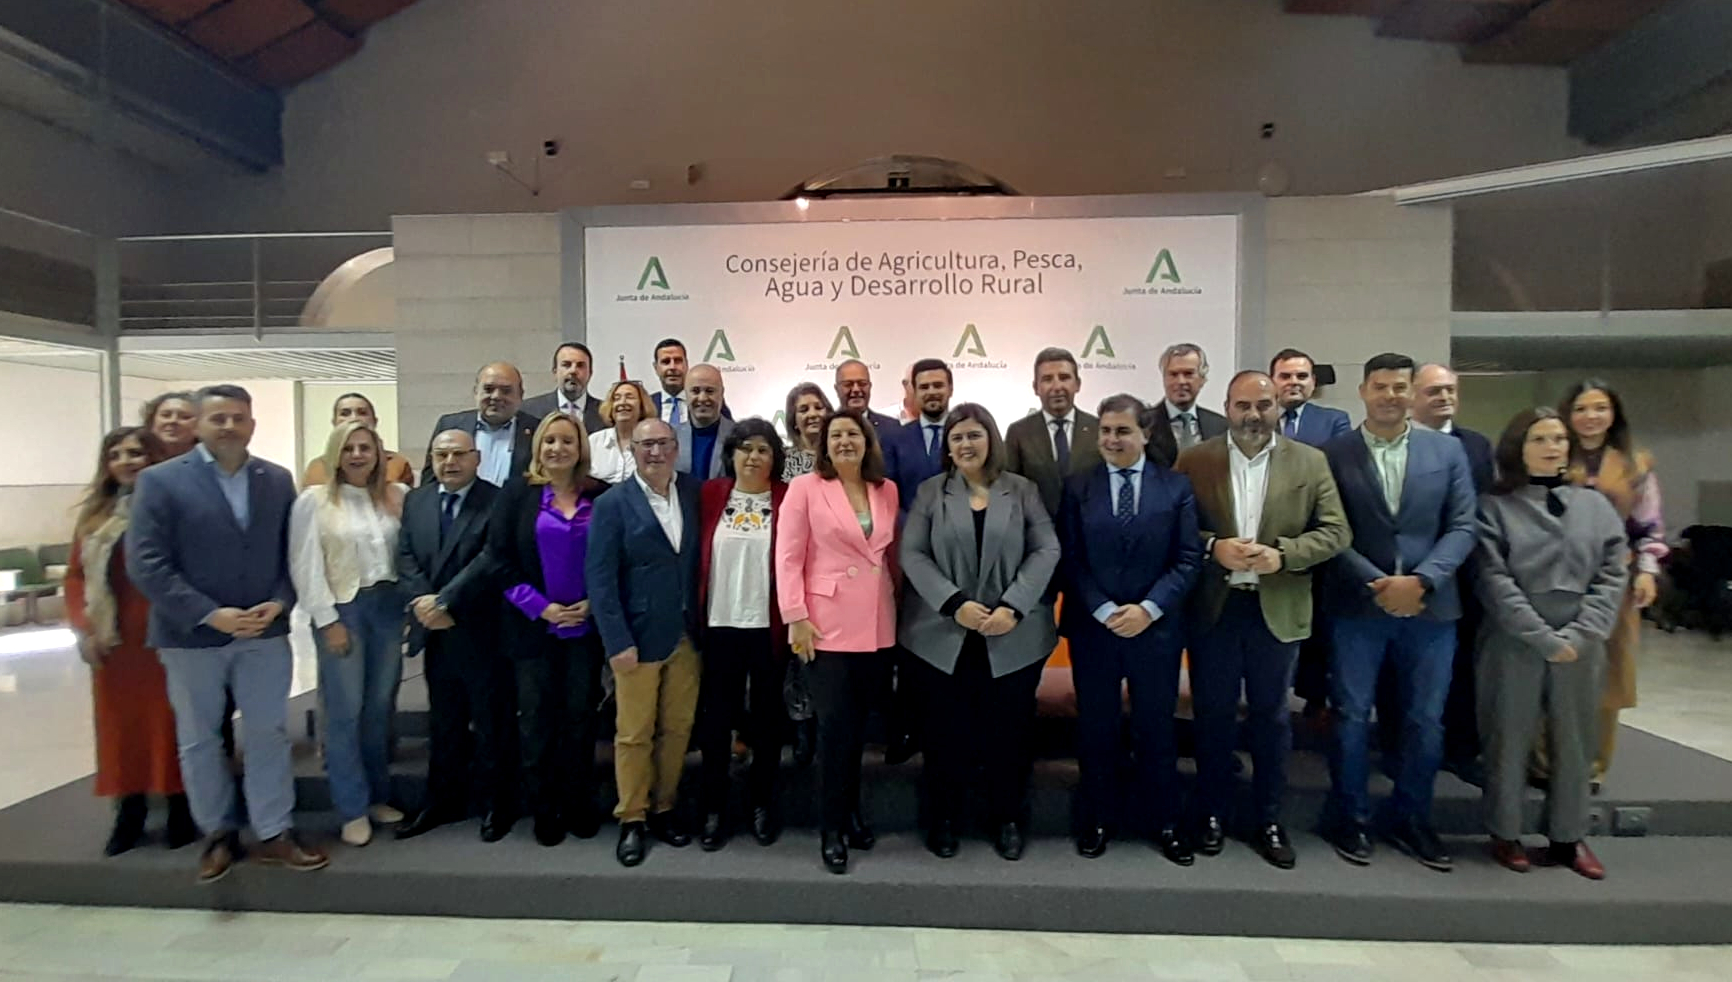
[
  {"x": 834, "y": 850},
  {"x": 714, "y": 835},
  {"x": 1174, "y": 847},
  {"x": 495, "y": 825},
  {"x": 1352, "y": 843},
  {"x": 1211, "y": 837},
  {"x": 1092, "y": 843},
  {"x": 631, "y": 844},
  {"x": 549, "y": 830},
  {"x": 1009, "y": 843},
  {"x": 1416, "y": 839},
  {"x": 1272, "y": 844},
  {"x": 941, "y": 840},
  {"x": 766, "y": 826},
  {"x": 423, "y": 822},
  {"x": 129, "y": 817},
  {"x": 859, "y": 834},
  {"x": 666, "y": 827},
  {"x": 582, "y": 821}
]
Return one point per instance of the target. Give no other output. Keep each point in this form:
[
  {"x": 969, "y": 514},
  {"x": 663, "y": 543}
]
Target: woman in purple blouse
[{"x": 537, "y": 536}]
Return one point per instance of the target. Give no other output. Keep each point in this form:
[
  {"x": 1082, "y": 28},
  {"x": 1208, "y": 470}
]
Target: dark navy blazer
[
  {"x": 642, "y": 594},
  {"x": 1157, "y": 558}
]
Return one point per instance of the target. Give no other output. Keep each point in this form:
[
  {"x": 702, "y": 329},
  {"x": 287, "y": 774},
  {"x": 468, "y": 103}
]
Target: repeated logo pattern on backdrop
[{"x": 774, "y": 304}]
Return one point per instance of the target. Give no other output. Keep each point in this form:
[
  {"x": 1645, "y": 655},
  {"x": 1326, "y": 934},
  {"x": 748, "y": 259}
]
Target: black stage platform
[{"x": 1673, "y": 885}]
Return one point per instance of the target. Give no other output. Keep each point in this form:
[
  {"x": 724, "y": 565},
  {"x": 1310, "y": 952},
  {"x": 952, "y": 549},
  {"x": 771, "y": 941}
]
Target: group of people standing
[{"x": 721, "y": 577}]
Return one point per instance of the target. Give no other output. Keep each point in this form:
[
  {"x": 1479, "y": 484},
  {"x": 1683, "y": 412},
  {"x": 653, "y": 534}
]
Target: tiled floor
[{"x": 45, "y": 730}]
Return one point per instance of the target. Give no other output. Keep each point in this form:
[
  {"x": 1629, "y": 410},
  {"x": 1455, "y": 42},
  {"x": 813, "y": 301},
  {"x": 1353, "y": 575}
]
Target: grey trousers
[{"x": 1518, "y": 689}]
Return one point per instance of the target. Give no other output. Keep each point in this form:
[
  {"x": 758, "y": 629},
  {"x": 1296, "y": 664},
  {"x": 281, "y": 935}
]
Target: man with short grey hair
[{"x": 1178, "y": 423}]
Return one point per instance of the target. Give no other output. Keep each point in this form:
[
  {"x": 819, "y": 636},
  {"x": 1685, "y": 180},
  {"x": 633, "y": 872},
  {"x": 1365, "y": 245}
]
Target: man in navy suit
[
  {"x": 1295, "y": 376},
  {"x": 1437, "y": 396},
  {"x": 1393, "y": 598},
  {"x": 920, "y": 445},
  {"x": 502, "y": 430},
  {"x": 854, "y": 391},
  {"x": 642, "y": 565},
  {"x": 1131, "y": 555},
  {"x": 208, "y": 545}
]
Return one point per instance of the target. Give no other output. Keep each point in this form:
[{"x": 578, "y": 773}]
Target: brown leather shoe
[
  {"x": 286, "y": 850},
  {"x": 1587, "y": 864},
  {"x": 218, "y": 858},
  {"x": 1510, "y": 854}
]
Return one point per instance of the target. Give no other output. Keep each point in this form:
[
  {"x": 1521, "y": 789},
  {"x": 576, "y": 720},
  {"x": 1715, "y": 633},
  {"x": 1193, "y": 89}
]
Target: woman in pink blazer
[{"x": 835, "y": 583}]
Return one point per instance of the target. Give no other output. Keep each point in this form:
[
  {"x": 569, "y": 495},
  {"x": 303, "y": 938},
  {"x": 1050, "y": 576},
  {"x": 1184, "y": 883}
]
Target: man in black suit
[
  {"x": 1178, "y": 423},
  {"x": 854, "y": 391},
  {"x": 455, "y": 604},
  {"x": 502, "y": 432},
  {"x": 1437, "y": 395},
  {"x": 572, "y": 368},
  {"x": 1060, "y": 440}
]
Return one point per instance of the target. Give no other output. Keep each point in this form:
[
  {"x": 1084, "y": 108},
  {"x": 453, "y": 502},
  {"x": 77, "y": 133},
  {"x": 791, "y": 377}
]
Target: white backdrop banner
[{"x": 775, "y": 304}]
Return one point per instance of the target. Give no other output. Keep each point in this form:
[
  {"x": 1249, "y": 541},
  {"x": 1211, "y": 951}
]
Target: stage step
[{"x": 1675, "y": 890}]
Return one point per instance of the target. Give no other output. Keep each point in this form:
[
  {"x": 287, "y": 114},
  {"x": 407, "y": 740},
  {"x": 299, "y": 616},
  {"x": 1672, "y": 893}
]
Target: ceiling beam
[{"x": 1672, "y": 63}]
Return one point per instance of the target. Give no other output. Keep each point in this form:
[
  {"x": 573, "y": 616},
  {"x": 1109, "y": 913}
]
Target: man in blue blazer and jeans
[
  {"x": 1393, "y": 598},
  {"x": 208, "y": 547},
  {"x": 642, "y": 572}
]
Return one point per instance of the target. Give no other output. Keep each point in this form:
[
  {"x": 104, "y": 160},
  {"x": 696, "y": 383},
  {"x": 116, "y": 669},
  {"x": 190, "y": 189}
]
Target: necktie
[
  {"x": 1127, "y": 506},
  {"x": 932, "y": 438},
  {"x": 447, "y": 513},
  {"x": 1290, "y": 424},
  {"x": 1187, "y": 430},
  {"x": 674, "y": 413},
  {"x": 1061, "y": 445}
]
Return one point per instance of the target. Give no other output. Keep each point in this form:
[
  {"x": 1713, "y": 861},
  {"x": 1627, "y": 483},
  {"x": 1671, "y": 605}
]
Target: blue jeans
[
  {"x": 358, "y": 693},
  {"x": 1421, "y": 652},
  {"x": 257, "y": 671}
]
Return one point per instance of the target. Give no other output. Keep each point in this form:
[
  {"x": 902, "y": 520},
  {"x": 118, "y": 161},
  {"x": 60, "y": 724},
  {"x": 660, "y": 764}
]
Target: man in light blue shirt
[{"x": 502, "y": 432}]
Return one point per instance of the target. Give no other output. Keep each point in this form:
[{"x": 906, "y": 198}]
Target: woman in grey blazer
[{"x": 978, "y": 551}]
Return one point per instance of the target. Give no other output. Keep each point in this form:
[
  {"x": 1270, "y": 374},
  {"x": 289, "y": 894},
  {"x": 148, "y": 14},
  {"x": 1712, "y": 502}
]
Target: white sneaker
[
  {"x": 385, "y": 814},
  {"x": 358, "y": 832}
]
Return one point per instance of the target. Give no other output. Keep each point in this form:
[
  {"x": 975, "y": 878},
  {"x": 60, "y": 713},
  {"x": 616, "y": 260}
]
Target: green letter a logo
[
  {"x": 719, "y": 349},
  {"x": 1163, "y": 268},
  {"x": 1098, "y": 344},
  {"x": 977, "y": 348},
  {"x": 843, "y": 344},
  {"x": 654, "y": 276}
]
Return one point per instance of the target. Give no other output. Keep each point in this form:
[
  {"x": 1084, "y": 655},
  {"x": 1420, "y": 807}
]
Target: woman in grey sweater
[{"x": 1553, "y": 560}]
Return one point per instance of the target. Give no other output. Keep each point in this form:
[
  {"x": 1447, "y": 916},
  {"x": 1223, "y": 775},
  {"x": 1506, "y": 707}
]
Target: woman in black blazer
[{"x": 537, "y": 537}]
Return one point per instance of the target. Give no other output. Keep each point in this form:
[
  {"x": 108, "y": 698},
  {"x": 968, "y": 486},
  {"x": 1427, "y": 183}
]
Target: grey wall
[{"x": 1056, "y": 98}]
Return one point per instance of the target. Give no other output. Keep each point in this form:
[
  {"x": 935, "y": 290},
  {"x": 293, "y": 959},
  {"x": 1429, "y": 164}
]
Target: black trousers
[
  {"x": 972, "y": 718},
  {"x": 468, "y": 695},
  {"x": 557, "y": 690},
  {"x": 733, "y": 659},
  {"x": 1101, "y": 662},
  {"x": 1239, "y": 650},
  {"x": 844, "y": 685},
  {"x": 1311, "y": 677}
]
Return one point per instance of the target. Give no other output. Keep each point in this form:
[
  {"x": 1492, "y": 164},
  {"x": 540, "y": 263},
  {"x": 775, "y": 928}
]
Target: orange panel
[
  {"x": 355, "y": 16},
  {"x": 300, "y": 56},
  {"x": 241, "y": 27}
]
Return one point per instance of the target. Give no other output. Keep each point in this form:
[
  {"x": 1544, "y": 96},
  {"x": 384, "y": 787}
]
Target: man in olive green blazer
[{"x": 1269, "y": 513}]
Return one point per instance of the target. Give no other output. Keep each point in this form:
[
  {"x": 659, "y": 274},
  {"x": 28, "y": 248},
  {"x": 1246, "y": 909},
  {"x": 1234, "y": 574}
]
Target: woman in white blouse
[
  {"x": 343, "y": 560},
  {"x": 610, "y": 449},
  {"x": 744, "y": 640}
]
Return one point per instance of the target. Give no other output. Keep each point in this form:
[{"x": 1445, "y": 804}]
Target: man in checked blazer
[
  {"x": 1269, "y": 513},
  {"x": 1060, "y": 440}
]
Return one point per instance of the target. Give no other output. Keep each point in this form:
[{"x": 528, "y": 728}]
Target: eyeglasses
[
  {"x": 661, "y": 444},
  {"x": 440, "y": 456}
]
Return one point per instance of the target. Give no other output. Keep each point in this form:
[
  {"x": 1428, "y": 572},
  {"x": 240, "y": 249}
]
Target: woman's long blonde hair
[{"x": 334, "y": 463}]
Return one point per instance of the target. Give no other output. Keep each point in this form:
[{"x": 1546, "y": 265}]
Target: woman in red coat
[
  {"x": 135, "y": 742},
  {"x": 745, "y": 640}
]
